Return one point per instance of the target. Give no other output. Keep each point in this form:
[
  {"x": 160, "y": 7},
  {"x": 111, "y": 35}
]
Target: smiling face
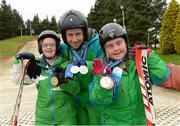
[
  {"x": 49, "y": 47},
  {"x": 116, "y": 48},
  {"x": 75, "y": 37}
]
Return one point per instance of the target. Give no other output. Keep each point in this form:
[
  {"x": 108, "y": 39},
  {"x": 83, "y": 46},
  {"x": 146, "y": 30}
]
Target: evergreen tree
[
  {"x": 45, "y": 24},
  {"x": 112, "y": 11},
  {"x": 139, "y": 20},
  {"x": 97, "y": 14},
  {"x": 10, "y": 21},
  {"x": 91, "y": 18},
  {"x": 53, "y": 24},
  {"x": 167, "y": 28},
  {"x": 104, "y": 11},
  {"x": 27, "y": 27},
  {"x": 1, "y": 28},
  {"x": 140, "y": 15},
  {"x": 36, "y": 25},
  {"x": 17, "y": 22},
  {"x": 177, "y": 34},
  {"x": 6, "y": 20}
]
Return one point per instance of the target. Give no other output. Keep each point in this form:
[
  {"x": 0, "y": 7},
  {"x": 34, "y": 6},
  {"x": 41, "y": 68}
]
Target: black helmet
[
  {"x": 48, "y": 34},
  {"x": 73, "y": 19},
  {"x": 111, "y": 31}
]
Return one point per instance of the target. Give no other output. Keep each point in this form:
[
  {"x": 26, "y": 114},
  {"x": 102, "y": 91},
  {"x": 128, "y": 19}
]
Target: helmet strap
[
  {"x": 49, "y": 58},
  {"x": 107, "y": 56}
]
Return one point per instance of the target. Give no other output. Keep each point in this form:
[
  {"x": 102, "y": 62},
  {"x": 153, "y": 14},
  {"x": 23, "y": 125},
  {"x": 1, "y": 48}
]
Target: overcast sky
[{"x": 28, "y": 8}]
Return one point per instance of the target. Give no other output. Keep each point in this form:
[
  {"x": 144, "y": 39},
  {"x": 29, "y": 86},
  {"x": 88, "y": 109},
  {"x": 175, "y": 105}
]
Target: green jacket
[
  {"x": 54, "y": 103},
  {"x": 128, "y": 107},
  {"x": 82, "y": 100},
  {"x": 94, "y": 51}
]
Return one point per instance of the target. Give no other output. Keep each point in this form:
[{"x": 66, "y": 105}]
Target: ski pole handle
[{"x": 25, "y": 55}]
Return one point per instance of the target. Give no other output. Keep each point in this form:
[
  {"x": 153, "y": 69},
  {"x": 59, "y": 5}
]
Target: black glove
[
  {"x": 25, "y": 55},
  {"x": 60, "y": 75},
  {"x": 33, "y": 70}
]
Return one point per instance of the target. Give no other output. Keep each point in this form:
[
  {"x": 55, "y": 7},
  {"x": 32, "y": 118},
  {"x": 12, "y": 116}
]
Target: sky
[
  {"x": 44, "y": 8},
  {"x": 29, "y": 8}
]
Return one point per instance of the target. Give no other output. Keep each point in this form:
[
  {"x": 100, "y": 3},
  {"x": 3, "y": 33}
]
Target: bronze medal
[{"x": 106, "y": 82}]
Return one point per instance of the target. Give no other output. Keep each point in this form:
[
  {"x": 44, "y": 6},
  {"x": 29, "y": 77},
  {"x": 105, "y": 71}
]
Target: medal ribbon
[
  {"x": 77, "y": 59},
  {"x": 111, "y": 65},
  {"x": 116, "y": 75},
  {"x": 51, "y": 101},
  {"x": 80, "y": 58}
]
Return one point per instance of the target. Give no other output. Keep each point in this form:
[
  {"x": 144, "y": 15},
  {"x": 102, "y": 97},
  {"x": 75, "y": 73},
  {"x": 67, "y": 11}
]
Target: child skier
[
  {"x": 54, "y": 100},
  {"x": 116, "y": 86}
]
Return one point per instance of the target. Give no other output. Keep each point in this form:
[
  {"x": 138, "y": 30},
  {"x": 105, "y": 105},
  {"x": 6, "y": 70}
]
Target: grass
[
  {"x": 171, "y": 58},
  {"x": 9, "y": 47}
]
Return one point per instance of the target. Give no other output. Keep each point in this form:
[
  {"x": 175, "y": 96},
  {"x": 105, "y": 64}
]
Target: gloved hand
[
  {"x": 61, "y": 75},
  {"x": 68, "y": 73},
  {"x": 98, "y": 67},
  {"x": 134, "y": 48},
  {"x": 25, "y": 55},
  {"x": 33, "y": 70}
]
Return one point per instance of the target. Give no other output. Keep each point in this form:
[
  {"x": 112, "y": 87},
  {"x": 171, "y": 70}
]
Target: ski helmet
[
  {"x": 111, "y": 31},
  {"x": 73, "y": 19},
  {"x": 48, "y": 34}
]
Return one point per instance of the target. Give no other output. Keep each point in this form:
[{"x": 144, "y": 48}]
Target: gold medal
[
  {"x": 83, "y": 69},
  {"x": 54, "y": 80},
  {"x": 106, "y": 82}
]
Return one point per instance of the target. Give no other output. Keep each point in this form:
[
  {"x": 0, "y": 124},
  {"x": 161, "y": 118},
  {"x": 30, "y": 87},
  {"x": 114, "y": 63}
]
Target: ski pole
[{"x": 18, "y": 99}]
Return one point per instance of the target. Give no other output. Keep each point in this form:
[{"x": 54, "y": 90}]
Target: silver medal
[
  {"x": 74, "y": 69},
  {"x": 83, "y": 69}
]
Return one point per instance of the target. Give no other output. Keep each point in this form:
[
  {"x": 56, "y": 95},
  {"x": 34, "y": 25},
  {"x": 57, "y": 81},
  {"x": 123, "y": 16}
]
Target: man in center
[{"x": 80, "y": 48}]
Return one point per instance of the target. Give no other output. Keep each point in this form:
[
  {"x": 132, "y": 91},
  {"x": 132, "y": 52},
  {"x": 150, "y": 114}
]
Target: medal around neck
[
  {"x": 83, "y": 69},
  {"x": 54, "y": 81},
  {"x": 74, "y": 69},
  {"x": 106, "y": 82}
]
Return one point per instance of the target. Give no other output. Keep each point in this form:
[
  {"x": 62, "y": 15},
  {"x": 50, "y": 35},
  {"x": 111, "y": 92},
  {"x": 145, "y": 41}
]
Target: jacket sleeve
[
  {"x": 157, "y": 68},
  {"x": 16, "y": 73},
  {"x": 99, "y": 95},
  {"x": 173, "y": 80}
]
